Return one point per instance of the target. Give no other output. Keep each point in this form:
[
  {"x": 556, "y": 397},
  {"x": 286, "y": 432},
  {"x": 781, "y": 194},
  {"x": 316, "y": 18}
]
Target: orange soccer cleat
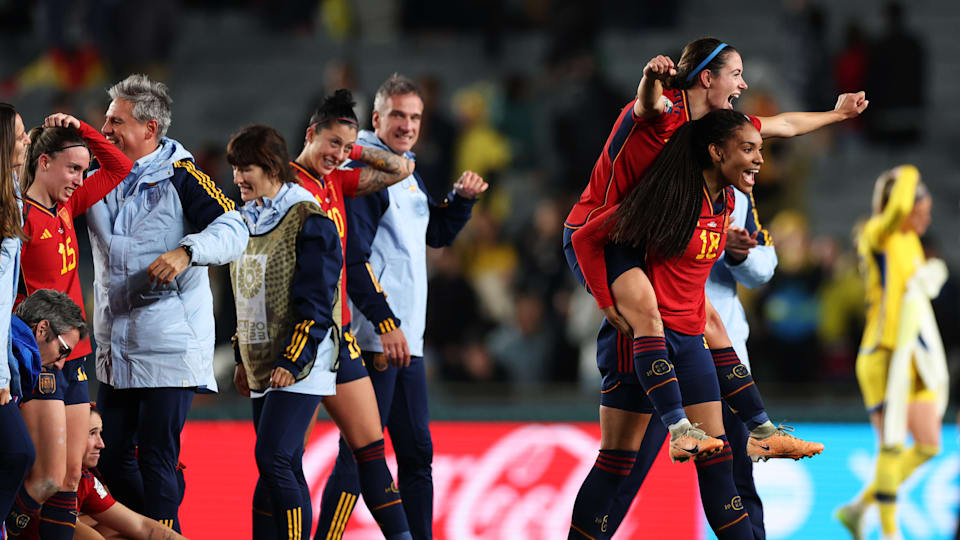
[
  {"x": 781, "y": 444},
  {"x": 690, "y": 441}
]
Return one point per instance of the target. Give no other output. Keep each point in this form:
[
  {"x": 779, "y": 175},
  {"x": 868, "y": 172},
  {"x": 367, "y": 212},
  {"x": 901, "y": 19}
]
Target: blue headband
[{"x": 706, "y": 61}]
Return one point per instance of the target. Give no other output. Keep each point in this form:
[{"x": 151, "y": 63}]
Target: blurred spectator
[
  {"x": 789, "y": 307},
  {"x": 453, "y": 315},
  {"x": 517, "y": 121},
  {"x": 491, "y": 264},
  {"x": 587, "y": 107},
  {"x": 841, "y": 309},
  {"x": 850, "y": 64},
  {"x": 480, "y": 147},
  {"x": 525, "y": 345},
  {"x": 437, "y": 136},
  {"x": 813, "y": 57},
  {"x": 898, "y": 104}
]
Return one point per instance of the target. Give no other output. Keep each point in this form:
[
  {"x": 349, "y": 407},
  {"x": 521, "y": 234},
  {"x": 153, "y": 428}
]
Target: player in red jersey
[
  {"x": 674, "y": 223},
  {"x": 708, "y": 77},
  {"x": 101, "y": 515},
  {"x": 329, "y": 141},
  {"x": 54, "y": 191}
]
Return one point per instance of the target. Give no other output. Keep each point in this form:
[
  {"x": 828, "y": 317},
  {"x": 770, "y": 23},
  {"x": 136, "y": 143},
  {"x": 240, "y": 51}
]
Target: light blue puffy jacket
[{"x": 151, "y": 335}]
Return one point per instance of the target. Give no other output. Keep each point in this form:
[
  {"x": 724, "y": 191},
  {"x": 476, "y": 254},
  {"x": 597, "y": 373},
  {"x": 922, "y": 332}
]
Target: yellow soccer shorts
[{"x": 872, "y": 369}]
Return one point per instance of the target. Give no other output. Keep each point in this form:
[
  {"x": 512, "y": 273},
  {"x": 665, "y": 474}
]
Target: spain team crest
[
  {"x": 47, "y": 384},
  {"x": 380, "y": 362}
]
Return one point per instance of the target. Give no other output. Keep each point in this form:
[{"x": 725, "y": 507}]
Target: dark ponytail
[
  {"x": 660, "y": 214},
  {"x": 10, "y": 226},
  {"x": 694, "y": 53},
  {"x": 335, "y": 108},
  {"x": 49, "y": 141}
]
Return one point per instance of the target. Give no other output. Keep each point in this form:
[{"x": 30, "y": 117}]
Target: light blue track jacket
[
  {"x": 754, "y": 271},
  {"x": 150, "y": 335}
]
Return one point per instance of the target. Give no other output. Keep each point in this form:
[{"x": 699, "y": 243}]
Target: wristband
[{"x": 355, "y": 152}]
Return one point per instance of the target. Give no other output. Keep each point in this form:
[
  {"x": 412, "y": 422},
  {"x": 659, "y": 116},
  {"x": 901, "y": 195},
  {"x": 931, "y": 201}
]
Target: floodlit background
[{"x": 525, "y": 92}]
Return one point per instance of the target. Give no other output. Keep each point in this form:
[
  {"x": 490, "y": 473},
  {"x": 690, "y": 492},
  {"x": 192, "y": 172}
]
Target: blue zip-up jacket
[
  {"x": 752, "y": 272},
  {"x": 314, "y": 281},
  {"x": 9, "y": 277},
  {"x": 150, "y": 335},
  {"x": 387, "y": 254}
]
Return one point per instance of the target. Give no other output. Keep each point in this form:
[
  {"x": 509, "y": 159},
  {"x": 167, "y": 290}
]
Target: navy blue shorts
[
  {"x": 50, "y": 386},
  {"x": 77, "y": 391},
  {"x": 619, "y": 259},
  {"x": 691, "y": 358},
  {"x": 351, "y": 365}
]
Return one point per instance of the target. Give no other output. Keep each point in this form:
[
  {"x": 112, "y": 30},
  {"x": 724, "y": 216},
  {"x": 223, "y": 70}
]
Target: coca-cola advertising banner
[{"x": 514, "y": 480}]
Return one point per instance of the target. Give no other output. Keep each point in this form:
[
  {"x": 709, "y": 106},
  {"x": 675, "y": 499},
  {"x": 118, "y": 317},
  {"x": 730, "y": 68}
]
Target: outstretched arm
[
  {"x": 133, "y": 525},
  {"x": 383, "y": 170},
  {"x": 791, "y": 124},
  {"x": 650, "y": 91}
]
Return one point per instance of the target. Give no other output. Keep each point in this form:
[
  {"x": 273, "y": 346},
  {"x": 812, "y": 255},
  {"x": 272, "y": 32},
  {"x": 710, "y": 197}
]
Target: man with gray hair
[
  {"x": 152, "y": 237},
  {"x": 387, "y": 280}
]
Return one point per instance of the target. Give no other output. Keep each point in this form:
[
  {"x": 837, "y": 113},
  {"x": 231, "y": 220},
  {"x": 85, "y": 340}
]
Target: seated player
[{"x": 100, "y": 515}]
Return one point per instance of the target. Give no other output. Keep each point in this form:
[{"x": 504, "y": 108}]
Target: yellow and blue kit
[{"x": 889, "y": 256}]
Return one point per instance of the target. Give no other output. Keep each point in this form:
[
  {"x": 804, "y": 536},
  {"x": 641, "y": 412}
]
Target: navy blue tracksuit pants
[
  {"x": 141, "y": 431},
  {"x": 652, "y": 443},
  {"x": 402, "y": 400},
  {"x": 17, "y": 455}
]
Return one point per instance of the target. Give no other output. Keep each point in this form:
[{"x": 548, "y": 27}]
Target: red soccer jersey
[
  {"x": 49, "y": 256},
  {"x": 92, "y": 498},
  {"x": 632, "y": 146},
  {"x": 329, "y": 192},
  {"x": 92, "y": 495},
  {"x": 678, "y": 283}
]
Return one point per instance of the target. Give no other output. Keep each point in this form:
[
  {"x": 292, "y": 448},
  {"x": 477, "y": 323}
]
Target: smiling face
[
  {"x": 94, "y": 441},
  {"x": 398, "y": 124},
  {"x": 20, "y": 144},
  {"x": 59, "y": 176},
  {"x": 739, "y": 158},
  {"x": 326, "y": 150},
  {"x": 726, "y": 84},
  {"x": 134, "y": 138},
  {"x": 254, "y": 182}
]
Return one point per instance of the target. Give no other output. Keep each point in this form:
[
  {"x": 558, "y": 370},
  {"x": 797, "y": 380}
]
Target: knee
[
  {"x": 72, "y": 479},
  {"x": 271, "y": 459},
  {"x": 420, "y": 459},
  {"x": 46, "y": 486}
]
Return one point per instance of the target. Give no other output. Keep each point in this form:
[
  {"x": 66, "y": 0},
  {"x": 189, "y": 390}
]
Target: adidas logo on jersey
[{"x": 46, "y": 234}]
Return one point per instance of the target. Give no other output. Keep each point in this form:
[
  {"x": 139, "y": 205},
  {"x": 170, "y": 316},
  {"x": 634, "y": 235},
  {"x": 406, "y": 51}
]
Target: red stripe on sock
[
  {"x": 612, "y": 470},
  {"x": 647, "y": 348},
  {"x": 728, "y": 363},
  {"x": 617, "y": 460}
]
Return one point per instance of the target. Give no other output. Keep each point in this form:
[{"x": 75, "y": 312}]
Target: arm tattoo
[{"x": 383, "y": 170}]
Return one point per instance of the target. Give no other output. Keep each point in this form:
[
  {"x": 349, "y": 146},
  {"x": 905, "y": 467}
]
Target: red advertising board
[{"x": 492, "y": 480}]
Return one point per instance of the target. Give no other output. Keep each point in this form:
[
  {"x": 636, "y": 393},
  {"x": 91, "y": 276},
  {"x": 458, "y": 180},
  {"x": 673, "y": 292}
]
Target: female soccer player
[
  {"x": 673, "y": 223},
  {"x": 286, "y": 289},
  {"x": 890, "y": 255},
  {"x": 54, "y": 193},
  {"x": 107, "y": 517},
  {"x": 17, "y": 453},
  {"x": 708, "y": 77}
]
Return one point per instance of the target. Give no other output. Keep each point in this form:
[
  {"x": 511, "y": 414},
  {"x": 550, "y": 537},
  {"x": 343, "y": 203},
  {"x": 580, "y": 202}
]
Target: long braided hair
[{"x": 660, "y": 214}]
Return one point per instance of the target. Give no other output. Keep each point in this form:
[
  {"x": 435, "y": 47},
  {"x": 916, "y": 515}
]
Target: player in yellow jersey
[{"x": 893, "y": 265}]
